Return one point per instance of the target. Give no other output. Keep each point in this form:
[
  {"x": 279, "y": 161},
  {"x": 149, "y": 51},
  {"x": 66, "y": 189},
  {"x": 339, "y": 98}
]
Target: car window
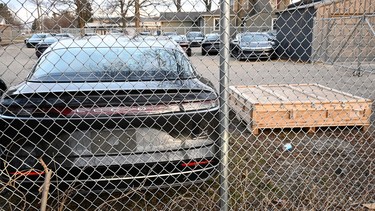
[
  {"x": 212, "y": 37},
  {"x": 254, "y": 38},
  {"x": 50, "y": 39},
  {"x": 38, "y": 36},
  {"x": 178, "y": 38},
  {"x": 194, "y": 34},
  {"x": 112, "y": 64}
]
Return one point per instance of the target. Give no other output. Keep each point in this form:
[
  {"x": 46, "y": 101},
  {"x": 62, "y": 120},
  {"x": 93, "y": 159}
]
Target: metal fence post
[{"x": 224, "y": 111}]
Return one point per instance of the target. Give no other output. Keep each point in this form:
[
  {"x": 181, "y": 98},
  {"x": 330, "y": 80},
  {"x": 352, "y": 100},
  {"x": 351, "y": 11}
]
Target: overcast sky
[{"x": 26, "y": 11}]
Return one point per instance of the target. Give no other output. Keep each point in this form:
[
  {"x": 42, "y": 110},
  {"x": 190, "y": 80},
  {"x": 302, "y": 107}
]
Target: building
[{"x": 327, "y": 31}]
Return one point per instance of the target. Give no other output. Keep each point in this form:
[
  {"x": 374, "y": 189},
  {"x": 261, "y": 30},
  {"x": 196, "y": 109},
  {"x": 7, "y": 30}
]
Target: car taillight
[
  {"x": 195, "y": 163},
  {"x": 27, "y": 173},
  {"x": 109, "y": 111}
]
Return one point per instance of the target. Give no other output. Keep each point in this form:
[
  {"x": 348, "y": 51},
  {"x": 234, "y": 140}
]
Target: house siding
[{"x": 181, "y": 27}]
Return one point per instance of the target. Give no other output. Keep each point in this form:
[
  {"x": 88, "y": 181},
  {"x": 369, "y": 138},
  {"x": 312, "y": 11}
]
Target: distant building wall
[
  {"x": 295, "y": 33},
  {"x": 344, "y": 32}
]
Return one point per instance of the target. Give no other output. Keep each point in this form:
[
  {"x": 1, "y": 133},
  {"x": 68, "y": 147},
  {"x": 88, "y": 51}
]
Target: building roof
[
  {"x": 216, "y": 13},
  {"x": 179, "y": 16}
]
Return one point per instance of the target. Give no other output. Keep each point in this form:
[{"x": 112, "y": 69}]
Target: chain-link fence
[{"x": 187, "y": 105}]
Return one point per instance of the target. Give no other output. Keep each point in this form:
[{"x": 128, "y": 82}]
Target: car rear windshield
[
  {"x": 254, "y": 38},
  {"x": 212, "y": 37},
  {"x": 178, "y": 38},
  {"x": 39, "y": 36},
  {"x": 50, "y": 39},
  {"x": 194, "y": 34},
  {"x": 112, "y": 64}
]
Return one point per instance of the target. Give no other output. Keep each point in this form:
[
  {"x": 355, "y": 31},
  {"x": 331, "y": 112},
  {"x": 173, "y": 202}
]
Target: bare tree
[
  {"x": 177, "y": 3},
  {"x": 137, "y": 7},
  {"x": 208, "y": 4},
  {"x": 81, "y": 8},
  {"x": 38, "y": 22},
  {"x": 84, "y": 12},
  {"x": 8, "y": 15}
]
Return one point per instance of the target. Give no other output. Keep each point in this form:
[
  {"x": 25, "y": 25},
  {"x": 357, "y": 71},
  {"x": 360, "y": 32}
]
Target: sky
[
  {"x": 26, "y": 11},
  {"x": 23, "y": 9}
]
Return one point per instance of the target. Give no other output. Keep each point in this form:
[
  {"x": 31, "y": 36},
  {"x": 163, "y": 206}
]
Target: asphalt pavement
[{"x": 16, "y": 62}]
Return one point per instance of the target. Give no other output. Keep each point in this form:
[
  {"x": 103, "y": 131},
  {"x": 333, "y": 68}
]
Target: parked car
[
  {"x": 45, "y": 43},
  {"x": 66, "y": 35},
  {"x": 195, "y": 38},
  {"x": 253, "y": 45},
  {"x": 169, "y": 34},
  {"x": 35, "y": 39},
  {"x": 110, "y": 113},
  {"x": 145, "y": 33},
  {"x": 211, "y": 44},
  {"x": 89, "y": 34},
  {"x": 183, "y": 42}
]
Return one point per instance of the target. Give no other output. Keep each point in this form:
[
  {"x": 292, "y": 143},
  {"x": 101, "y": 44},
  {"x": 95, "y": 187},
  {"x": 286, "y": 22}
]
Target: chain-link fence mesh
[{"x": 187, "y": 105}]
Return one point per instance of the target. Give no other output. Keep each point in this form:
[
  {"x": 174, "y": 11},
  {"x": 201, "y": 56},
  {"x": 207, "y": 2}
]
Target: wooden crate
[{"x": 298, "y": 105}]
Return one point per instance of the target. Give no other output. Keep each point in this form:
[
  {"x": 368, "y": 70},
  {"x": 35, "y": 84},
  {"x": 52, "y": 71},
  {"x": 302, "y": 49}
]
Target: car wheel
[
  {"x": 29, "y": 45},
  {"x": 38, "y": 53},
  {"x": 234, "y": 53},
  {"x": 3, "y": 87},
  {"x": 188, "y": 52},
  {"x": 204, "y": 52}
]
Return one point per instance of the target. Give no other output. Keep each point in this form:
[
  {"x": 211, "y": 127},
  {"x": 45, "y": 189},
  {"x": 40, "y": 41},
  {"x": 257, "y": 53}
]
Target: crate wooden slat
[{"x": 298, "y": 105}]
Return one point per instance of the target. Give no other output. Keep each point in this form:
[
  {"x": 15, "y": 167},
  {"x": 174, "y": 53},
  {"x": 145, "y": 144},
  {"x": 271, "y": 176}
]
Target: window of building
[{"x": 217, "y": 23}]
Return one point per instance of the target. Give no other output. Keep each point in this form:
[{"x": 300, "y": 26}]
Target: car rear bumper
[
  {"x": 212, "y": 48},
  {"x": 144, "y": 176},
  {"x": 195, "y": 43},
  {"x": 248, "y": 54},
  {"x": 146, "y": 167}
]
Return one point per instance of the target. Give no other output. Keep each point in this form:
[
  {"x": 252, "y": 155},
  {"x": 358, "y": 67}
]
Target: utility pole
[{"x": 38, "y": 9}]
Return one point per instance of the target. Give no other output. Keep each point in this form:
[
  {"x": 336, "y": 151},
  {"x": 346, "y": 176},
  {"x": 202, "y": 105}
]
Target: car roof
[
  {"x": 42, "y": 33},
  {"x": 253, "y": 33},
  {"x": 109, "y": 41},
  {"x": 195, "y": 32}
]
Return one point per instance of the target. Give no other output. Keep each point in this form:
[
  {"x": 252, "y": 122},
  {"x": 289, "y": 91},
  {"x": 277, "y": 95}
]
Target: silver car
[{"x": 253, "y": 45}]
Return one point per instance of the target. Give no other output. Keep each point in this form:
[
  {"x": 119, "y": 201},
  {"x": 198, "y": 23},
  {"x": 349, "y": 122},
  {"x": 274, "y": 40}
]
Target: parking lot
[
  {"x": 321, "y": 164},
  {"x": 17, "y": 61}
]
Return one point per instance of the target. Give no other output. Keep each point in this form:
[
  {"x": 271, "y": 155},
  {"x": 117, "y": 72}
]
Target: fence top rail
[{"x": 349, "y": 17}]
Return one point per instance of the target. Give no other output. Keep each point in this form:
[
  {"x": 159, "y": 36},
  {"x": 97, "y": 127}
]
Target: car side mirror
[{"x": 3, "y": 87}]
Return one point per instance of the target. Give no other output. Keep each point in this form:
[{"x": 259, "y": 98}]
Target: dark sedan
[
  {"x": 45, "y": 43},
  {"x": 252, "y": 45},
  {"x": 35, "y": 39},
  {"x": 183, "y": 42},
  {"x": 109, "y": 113},
  {"x": 211, "y": 44}
]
